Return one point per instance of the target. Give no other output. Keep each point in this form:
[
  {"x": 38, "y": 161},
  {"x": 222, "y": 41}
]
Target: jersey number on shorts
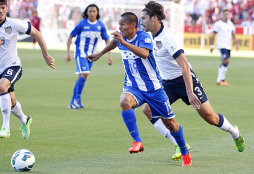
[
  {"x": 9, "y": 72},
  {"x": 168, "y": 107}
]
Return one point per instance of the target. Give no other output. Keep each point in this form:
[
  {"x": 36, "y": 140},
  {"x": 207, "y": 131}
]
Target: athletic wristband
[{"x": 212, "y": 46}]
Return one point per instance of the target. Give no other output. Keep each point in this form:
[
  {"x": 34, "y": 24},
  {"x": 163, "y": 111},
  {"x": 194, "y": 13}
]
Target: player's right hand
[
  {"x": 50, "y": 61},
  {"x": 68, "y": 58},
  {"x": 194, "y": 101},
  {"x": 93, "y": 57}
]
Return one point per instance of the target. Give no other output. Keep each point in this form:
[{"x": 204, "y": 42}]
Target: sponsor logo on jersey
[
  {"x": 147, "y": 40},
  {"x": 99, "y": 27},
  {"x": 8, "y": 30},
  {"x": 86, "y": 27},
  {"x": 158, "y": 44}
]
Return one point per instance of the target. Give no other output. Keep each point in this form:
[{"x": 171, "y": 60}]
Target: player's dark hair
[
  {"x": 3, "y": 2},
  {"x": 155, "y": 9},
  {"x": 91, "y": 5},
  {"x": 224, "y": 10},
  {"x": 131, "y": 17}
]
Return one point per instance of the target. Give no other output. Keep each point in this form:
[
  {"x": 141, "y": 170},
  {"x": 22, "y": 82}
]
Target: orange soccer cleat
[
  {"x": 186, "y": 160},
  {"x": 223, "y": 83},
  {"x": 136, "y": 147}
]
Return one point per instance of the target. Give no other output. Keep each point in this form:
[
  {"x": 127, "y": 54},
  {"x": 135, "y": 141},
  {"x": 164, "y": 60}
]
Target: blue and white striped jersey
[
  {"x": 140, "y": 73},
  {"x": 88, "y": 35}
]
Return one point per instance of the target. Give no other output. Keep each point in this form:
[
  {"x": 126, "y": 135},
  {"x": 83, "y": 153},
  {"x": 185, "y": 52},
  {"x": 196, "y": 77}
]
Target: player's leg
[
  {"x": 225, "y": 58},
  {"x": 129, "y": 100},
  {"x": 5, "y": 105},
  {"x": 208, "y": 114}
]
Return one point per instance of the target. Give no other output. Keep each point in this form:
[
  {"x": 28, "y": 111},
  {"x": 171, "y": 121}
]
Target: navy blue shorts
[
  {"x": 157, "y": 100},
  {"x": 175, "y": 89},
  {"x": 13, "y": 74},
  {"x": 225, "y": 53}
]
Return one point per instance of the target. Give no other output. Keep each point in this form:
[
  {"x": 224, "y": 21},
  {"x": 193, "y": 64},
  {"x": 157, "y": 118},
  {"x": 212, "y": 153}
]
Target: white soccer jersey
[
  {"x": 224, "y": 31},
  {"x": 167, "y": 47},
  {"x": 8, "y": 50}
]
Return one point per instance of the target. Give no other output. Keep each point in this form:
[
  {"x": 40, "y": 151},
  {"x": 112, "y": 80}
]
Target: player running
[
  {"x": 11, "y": 69},
  {"x": 88, "y": 32},
  {"x": 142, "y": 83},
  {"x": 179, "y": 80},
  {"x": 225, "y": 30}
]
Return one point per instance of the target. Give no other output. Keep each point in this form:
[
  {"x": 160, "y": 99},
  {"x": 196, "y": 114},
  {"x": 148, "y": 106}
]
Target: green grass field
[{"x": 96, "y": 140}]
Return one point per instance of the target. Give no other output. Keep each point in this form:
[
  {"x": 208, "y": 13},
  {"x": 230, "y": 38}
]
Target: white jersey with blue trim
[
  {"x": 224, "y": 31},
  {"x": 167, "y": 47},
  {"x": 88, "y": 34},
  {"x": 9, "y": 30},
  {"x": 140, "y": 73}
]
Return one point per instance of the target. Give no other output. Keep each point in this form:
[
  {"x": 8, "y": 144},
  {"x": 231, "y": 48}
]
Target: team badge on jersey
[
  {"x": 158, "y": 44},
  {"x": 173, "y": 48},
  {"x": 147, "y": 40},
  {"x": 99, "y": 27},
  {"x": 8, "y": 30}
]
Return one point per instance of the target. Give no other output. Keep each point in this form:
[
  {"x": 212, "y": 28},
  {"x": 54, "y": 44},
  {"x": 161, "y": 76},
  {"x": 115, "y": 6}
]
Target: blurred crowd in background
[{"x": 198, "y": 12}]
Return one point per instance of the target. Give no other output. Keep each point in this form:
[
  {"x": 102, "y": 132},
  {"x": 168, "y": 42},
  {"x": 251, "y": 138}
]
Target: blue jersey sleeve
[
  {"x": 104, "y": 34},
  {"x": 145, "y": 41},
  {"x": 77, "y": 30}
]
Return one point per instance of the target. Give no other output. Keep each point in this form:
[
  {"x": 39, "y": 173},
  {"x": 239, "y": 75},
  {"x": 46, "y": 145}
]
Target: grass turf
[{"x": 95, "y": 139}]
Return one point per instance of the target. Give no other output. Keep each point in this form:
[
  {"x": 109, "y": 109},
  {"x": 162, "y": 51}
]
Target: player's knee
[
  {"x": 3, "y": 89},
  {"x": 85, "y": 75},
  {"x": 125, "y": 104},
  {"x": 212, "y": 119}
]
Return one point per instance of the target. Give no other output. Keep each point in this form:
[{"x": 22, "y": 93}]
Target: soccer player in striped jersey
[
  {"x": 225, "y": 30},
  {"x": 11, "y": 69},
  {"x": 88, "y": 32},
  {"x": 142, "y": 83},
  {"x": 178, "y": 78}
]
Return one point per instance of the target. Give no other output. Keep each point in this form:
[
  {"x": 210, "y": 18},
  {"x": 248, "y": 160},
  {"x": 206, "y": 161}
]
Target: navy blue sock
[
  {"x": 224, "y": 65},
  {"x": 180, "y": 140},
  {"x": 129, "y": 119},
  {"x": 80, "y": 85},
  {"x": 153, "y": 120},
  {"x": 74, "y": 93},
  {"x": 221, "y": 120}
]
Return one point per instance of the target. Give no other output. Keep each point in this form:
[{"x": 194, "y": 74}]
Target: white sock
[
  {"x": 224, "y": 71},
  {"x": 17, "y": 111},
  {"x": 220, "y": 74},
  {"x": 159, "y": 126},
  {"x": 5, "y": 104},
  {"x": 226, "y": 126}
]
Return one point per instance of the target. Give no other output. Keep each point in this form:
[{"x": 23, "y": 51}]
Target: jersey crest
[
  {"x": 8, "y": 30},
  {"x": 158, "y": 44}
]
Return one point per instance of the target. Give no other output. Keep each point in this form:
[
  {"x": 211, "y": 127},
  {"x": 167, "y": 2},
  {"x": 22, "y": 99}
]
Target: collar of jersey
[
  {"x": 91, "y": 22},
  {"x": 159, "y": 32},
  {"x": 2, "y": 22},
  {"x": 132, "y": 38}
]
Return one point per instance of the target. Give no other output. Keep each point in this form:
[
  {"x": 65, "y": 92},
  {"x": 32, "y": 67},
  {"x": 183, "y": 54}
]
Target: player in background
[
  {"x": 179, "y": 80},
  {"x": 88, "y": 32},
  {"x": 11, "y": 69},
  {"x": 159, "y": 125},
  {"x": 35, "y": 21},
  {"x": 142, "y": 83},
  {"x": 225, "y": 30}
]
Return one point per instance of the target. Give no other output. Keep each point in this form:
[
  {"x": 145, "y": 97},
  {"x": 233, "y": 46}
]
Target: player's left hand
[
  {"x": 50, "y": 61},
  {"x": 118, "y": 37},
  {"x": 194, "y": 101},
  {"x": 110, "y": 60}
]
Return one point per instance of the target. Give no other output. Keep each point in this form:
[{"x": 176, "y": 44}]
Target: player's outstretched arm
[
  {"x": 68, "y": 55},
  {"x": 49, "y": 60},
  {"x": 110, "y": 46},
  {"x": 212, "y": 41},
  {"x": 110, "y": 60},
  {"x": 193, "y": 99},
  {"x": 141, "y": 52}
]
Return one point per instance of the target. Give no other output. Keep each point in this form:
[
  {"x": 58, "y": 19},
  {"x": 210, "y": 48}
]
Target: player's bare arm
[
  {"x": 141, "y": 52},
  {"x": 68, "y": 55},
  {"x": 212, "y": 42},
  {"x": 49, "y": 60},
  {"x": 110, "y": 46},
  {"x": 182, "y": 62},
  {"x": 235, "y": 41},
  {"x": 110, "y": 60}
]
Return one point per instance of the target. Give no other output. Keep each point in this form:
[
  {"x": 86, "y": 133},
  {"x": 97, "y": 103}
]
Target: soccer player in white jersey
[
  {"x": 11, "y": 69},
  {"x": 178, "y": 78},
  {"x": 88, "y": 32},
  {"x": 225, "y": 30},
  {"x": 142, "y": 83}
]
